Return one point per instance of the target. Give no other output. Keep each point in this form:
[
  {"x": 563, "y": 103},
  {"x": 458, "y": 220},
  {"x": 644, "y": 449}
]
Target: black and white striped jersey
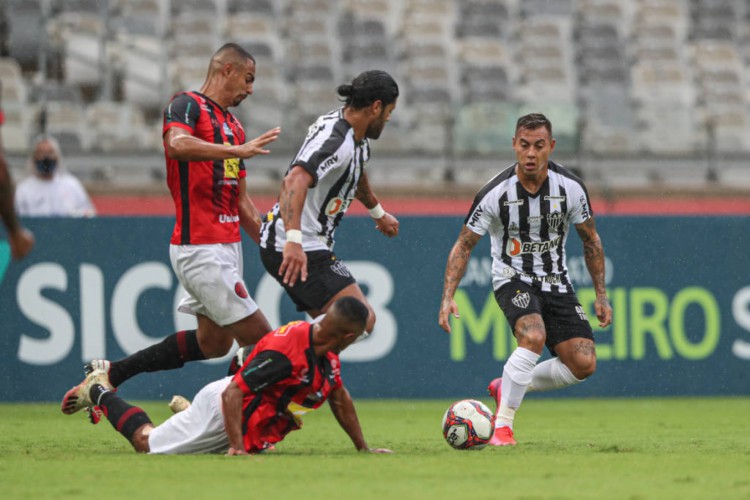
[
  {"x": 528, "y": 232},
  {"x": 336, "y": 162}
]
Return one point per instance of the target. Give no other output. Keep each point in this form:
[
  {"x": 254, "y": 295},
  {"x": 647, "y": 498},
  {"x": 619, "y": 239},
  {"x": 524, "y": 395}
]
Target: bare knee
[
  {"x": 580, "y": 359},
  {"x": 214, "y": 344},
  {"x": 531, "y": 333},
  {"x": 583, "y": 367}
]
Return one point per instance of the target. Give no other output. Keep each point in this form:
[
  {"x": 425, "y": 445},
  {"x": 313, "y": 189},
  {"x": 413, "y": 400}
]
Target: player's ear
[{"x": 377, "y": 107}]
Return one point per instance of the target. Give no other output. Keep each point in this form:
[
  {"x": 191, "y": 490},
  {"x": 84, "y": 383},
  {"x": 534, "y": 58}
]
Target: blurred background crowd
[{"x": 644, "y": 95}]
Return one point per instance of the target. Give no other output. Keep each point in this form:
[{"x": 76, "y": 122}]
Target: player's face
[
  {"x": 241, "y": 81},
  {"x": 376, "y": 127},
  {"x": 533, "y": 148}
]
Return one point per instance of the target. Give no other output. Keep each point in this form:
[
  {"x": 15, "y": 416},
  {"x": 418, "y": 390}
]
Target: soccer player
[
  {"x": 527, "y": 210},
  {"x": 21, "y": 240},
  {"x": 291, "y": 371},
  {"x": 204, "y": 148},
  {"x": 297, "y": 236}
]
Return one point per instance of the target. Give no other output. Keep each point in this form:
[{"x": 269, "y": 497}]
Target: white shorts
[
  {"x": 199, "y": 429},
  {"x": 212, "y": 277}
]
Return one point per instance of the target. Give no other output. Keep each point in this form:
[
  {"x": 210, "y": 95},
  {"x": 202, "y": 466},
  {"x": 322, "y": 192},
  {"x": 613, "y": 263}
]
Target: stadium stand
[{"x": 654, "y": 79}]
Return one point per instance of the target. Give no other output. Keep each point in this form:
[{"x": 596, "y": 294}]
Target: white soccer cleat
[
  {"x": 79, "y": 397},
  {"x": 97, "y": 364},
  {"x": 178, "y": 404}
]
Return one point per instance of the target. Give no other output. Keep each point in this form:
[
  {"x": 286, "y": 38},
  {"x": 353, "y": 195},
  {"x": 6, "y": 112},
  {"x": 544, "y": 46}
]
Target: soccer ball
[{"x": 468, "y": 424}]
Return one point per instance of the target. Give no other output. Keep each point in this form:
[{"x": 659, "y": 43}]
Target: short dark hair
[
  {"x": 352, "y": 310},
  {"x": 237, "y": 49},
  {"x": 533, "y": 121},
  {"x": 368, "y": 87}
]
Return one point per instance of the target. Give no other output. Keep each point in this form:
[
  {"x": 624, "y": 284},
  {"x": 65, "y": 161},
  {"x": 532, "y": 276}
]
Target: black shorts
[
  {"x": 326, "y": 276},
  {"x": 563, "y": 315}
]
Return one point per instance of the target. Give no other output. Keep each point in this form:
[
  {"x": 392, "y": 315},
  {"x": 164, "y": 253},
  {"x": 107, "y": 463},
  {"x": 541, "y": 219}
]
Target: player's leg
[
  {"x": 352, "y": 290},
  {"x": 571, "y": 340},
  {"x": 522, "y": 307}
]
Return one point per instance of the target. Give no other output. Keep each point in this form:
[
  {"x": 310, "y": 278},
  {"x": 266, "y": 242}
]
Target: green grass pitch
[{"x": 568, "y": 448}]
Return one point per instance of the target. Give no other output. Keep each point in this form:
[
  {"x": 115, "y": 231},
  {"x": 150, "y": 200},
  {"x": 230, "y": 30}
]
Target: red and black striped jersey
[
  {"x": 205, "y": 193},
  {"x": 282, "y": 380}
]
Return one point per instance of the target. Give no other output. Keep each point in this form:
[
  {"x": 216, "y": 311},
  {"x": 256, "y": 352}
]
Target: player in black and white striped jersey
[
  {"x": 527, "y": 210},
  {"x": 327, "y": 174}
]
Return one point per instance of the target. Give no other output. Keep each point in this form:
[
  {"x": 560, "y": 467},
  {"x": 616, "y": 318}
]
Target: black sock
[
  {"x": 125, "y": 418},
  {"x": 171, "y": 353}
]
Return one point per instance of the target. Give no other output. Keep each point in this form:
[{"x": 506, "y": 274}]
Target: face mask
[{"x": 46, "y": 166}]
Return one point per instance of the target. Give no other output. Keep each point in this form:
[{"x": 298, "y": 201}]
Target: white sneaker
[
  {"x": 79, "y": 397},
  {"x": 178, "y": 404}
]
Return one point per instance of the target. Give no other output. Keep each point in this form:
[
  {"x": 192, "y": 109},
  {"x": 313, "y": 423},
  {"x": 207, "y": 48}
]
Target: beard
[{"x": 375, "y": 129}]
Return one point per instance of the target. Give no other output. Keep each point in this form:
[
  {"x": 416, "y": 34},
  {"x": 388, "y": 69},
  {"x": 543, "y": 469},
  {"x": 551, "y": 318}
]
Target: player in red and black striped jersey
[
  {"x": 21, "y": 240},
  {"x": 291, "y": 371},
  {"x": 205, "y": 150},
  {"x": 527, "y": 210}
]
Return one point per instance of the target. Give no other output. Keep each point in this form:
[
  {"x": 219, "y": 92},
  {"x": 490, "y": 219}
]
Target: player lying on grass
[{"x": 291, "y": 371}]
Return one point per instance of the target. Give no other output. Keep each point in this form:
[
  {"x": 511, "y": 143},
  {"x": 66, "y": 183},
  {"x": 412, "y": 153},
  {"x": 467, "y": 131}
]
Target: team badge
[
  {"x": 339, "y": 268},
  {"x": 521, "y": 299},
  {"x": 554, "y": 220},
  {"x": 227, "y": 130},
  {"x": 240, "y": 290}
]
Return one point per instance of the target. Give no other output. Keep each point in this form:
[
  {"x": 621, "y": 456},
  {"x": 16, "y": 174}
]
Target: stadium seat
[{"x": 116, "y": 126}]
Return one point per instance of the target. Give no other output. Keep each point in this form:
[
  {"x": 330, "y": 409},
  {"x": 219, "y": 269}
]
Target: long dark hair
[{"x": 368, "y": 87}]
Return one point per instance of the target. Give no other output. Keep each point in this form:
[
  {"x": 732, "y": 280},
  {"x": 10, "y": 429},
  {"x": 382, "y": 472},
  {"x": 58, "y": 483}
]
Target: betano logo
[{"x": 516, "y": 247}]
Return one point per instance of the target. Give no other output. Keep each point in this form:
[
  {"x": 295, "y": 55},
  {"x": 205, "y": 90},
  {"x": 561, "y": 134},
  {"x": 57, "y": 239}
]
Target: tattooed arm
[
  {"x": 454, "y": 271},
  {"x": 386, "y": 223},
  {"x": 593, "y": 253},
  {"x": 291, "y": 200}
]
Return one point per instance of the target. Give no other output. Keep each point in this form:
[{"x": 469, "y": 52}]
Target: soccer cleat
[
  {"x": 494, "y": 390},
  {"x": 95, "y": 414},
  {"x": 178, "y": 404},
  {"x": 79, "y": 397},
  {"x": 97, "y": 364},
  {"x": 503, "y": 436}
]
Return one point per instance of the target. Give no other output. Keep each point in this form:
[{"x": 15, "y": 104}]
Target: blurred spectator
[
  {"x": 21, "y": 240},
  {"x": 51, "y": 191}
]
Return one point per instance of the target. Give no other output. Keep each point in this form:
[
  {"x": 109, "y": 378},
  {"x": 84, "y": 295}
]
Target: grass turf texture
[{"x": 627, "y": 448}]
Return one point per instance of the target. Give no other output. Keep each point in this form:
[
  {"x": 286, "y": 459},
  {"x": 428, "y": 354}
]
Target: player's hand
[
  {"x": 388, "y": 225},
  {"x": 294, "y": 264},
  {"x": 21, "y": 242},
  {"x": 376, "y": 450},
  {"x": 447, "y": 308},
  {"x": 255, "y": 147},
  {"x": 233, "y": 452},
  {"x": 603, "y": 311}
]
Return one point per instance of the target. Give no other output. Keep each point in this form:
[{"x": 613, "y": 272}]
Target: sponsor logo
[
  {"x": 336, "y": 205},
  {"x": 227, "y": 219},
  {"x": 513, "y": 228},
  {"x": 339, "y": 268},
  {"x": 535, "y": 219},
  {"x": 581, "y": 313},
  {"x": 554, "y": 198},
  {"x": 517, "y": 247},
  {"x": 282, "y": 331},
  {"x": 330, "y": 162},
  {"x": 227, "y": 130},
  {"x": 554, "y": 220},
  {"x": 585, "y": 208},
  {"x": 508, "y": 272},
  {"x": 510, "y": 203},
  {"x": 240, "y": 290},
  {"x": 521, "y": 299},
  {"x": 475, "y": 216}
]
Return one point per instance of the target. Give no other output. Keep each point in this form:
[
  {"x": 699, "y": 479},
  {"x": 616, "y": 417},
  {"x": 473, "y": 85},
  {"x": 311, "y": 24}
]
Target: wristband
[
  {"x": 376, "y": 212},
  {"x": 294, "y": 236}
]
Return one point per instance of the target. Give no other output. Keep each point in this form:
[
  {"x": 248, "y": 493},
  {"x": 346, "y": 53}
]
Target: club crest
[
  {"x": 521, "y": 300},
  {"x": 554, "y": 220}
]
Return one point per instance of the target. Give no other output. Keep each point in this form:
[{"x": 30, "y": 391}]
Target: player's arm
[
  {"x": 20, "y": 239},
  {"x": 593, "y": 253},
  {"x": 291, "y": 201},
  {"x": 231, "y": 401},
  {"x": 455, "y": 268},
  {"x": 342, "y": 407},
  {"x": 181, "y": 145},
  {"x": 250, "y": 218},
  {"x": 384, "y": 222}
]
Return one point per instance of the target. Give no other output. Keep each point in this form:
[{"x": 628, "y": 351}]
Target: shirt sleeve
[
  {"x": 579, "y": 210},
  {"x": 480, "y": 215},
  {"x": 264, "y": 369},
  {"x": 182, "y": 112}
]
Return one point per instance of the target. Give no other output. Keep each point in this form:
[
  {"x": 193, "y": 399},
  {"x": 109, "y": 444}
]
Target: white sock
[
  {"x": 516, "y": 378},
  {"x": 551, "y": 374}
]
